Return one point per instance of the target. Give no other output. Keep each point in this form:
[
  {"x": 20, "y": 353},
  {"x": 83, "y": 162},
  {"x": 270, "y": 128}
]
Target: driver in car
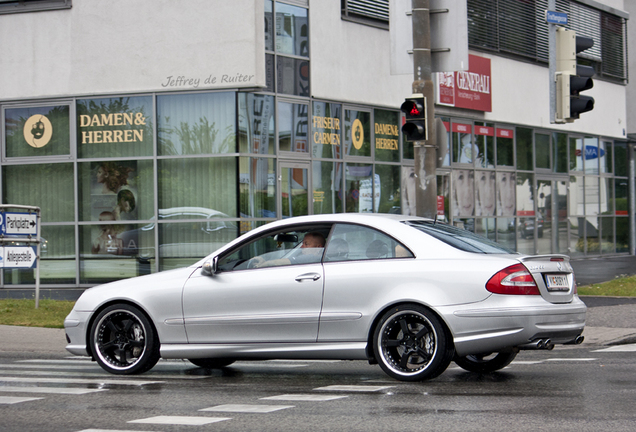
[{"x": 310, "y": 252}]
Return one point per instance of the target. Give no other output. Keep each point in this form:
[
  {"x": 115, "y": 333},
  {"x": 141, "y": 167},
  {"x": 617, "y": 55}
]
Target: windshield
[{"x": 459, "y": 238}]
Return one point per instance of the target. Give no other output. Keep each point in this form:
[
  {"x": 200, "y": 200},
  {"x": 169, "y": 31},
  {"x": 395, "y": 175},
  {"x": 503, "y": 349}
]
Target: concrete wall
[{"x": 117, "y": 46}]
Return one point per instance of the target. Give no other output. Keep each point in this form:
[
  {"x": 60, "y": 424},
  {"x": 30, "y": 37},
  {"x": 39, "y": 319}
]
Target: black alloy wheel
[
  {"x": 412, "y": 344},
  {"x": 123, "y": 340},
  {"x": 486, "y": 363}
]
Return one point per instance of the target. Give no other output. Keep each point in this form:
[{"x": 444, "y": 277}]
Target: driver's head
[{"x": 313, "y": 240}]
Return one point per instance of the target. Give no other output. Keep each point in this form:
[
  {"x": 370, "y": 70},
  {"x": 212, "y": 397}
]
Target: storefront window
[
  {"x": 622, "y": 234},
  {"x": 195, "y": 124},
  {"x": 37, "y": 131},
  {"x": 327, "y": 187},
  {"x": 463, "y": 150},
  {"x": 485, "y": 227},
  {"x": 542, "y": 146},
  {"x": 115, "y": 127},
  {"x": 485, "y": 193},
  {"x": 269, "y": 25},
  {"x": 506, "y": 232},
  {"x": 485, "y": 142},
  {"x": 48, "y": 186},
  {"x": 577, "y": 195},
  {"x": 387, "y": 136},
  {"x": 209, "y": 183},
  {"x": 388, "y": 178},
  {"x": 607, "y": 195},
  {"x": 292, "y": 31},
  {"x": 463, "y": 192},
  {"x": 506, "y": 187},
  {"x": 505, "y": 147},
  {"x": 443, "y": 197},
  {"x": 292, "y": 76},
  {"x": 293, "y": 127},
  {"x": 112, "y": 251},
  {"x": 606, "y": 157},
  {"x": 256, "y": 124},
  {"x": 363, "y": 194},
  {"x": 116, "y": 190},
  {"x": 621, "y": 160},
  {"x": 184, "y": 243},
  {"x": 326, "y": 130},
  {"x": 591, "y": 155},
  {"x": 577, "y": 236},
  {"x": 607, "y": 235},
  {"x": 443, "y": 146},
  {"x": 357, "y": 133},
  {"x": 560, "y": 151},
  {"x": 620, "y": 189},
  {"x": 525, "y": 194},
  {"x": 409, "y": 191},
  {"x": 592, "y": 196},
  {"x": 524, "y": 149},
  {"x": 257, "y": 187}
]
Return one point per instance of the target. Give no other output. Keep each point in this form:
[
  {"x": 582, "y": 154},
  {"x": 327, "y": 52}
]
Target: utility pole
[{"x": 425, "y": 151}]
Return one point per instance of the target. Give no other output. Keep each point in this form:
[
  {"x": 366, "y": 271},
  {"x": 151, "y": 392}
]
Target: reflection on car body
[{"x": 408, "y": 293}]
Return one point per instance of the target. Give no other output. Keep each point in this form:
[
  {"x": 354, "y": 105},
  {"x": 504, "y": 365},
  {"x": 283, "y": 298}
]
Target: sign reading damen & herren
[{"x": 18, "y": 224}]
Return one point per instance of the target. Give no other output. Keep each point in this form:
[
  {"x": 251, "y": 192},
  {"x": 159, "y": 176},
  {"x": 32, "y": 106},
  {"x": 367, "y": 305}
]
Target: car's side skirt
[{"x": 260, "y": 351}]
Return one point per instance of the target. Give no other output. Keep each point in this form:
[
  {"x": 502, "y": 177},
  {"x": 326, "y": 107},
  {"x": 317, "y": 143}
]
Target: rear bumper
[{"x": 500, "y": 323}]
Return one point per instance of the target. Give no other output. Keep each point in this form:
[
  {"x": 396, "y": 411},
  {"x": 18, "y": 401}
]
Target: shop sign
[
  {"x": 326, "y": 130},
  {"x": 505, "y": 133},
  {"x": 386, "y": 136},
  {"x": 112, "y": 128},
  {"x": 469, "y": 89}
]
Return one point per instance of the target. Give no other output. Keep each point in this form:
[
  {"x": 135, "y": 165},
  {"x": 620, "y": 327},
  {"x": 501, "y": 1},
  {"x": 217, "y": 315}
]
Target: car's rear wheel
[
  {"x": 412, "y": 344},
  {"x": 211, "y": 363},
  {"x": 123, "y": 340},
  {"x": 486, "y": 363}
]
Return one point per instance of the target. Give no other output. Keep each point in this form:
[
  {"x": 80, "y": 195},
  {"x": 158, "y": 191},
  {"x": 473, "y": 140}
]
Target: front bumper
[{"x": 76, "y": 334}]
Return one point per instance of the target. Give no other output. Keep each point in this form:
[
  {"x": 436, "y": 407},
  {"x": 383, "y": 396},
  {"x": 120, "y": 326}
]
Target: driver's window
[{"x": 281, "y": 248}]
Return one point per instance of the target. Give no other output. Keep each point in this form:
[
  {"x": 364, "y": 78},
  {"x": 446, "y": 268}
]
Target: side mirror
[{"x": 210, "y": 267}]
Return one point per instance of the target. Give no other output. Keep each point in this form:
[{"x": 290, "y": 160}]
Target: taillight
[{"x": 515, "y": 280}]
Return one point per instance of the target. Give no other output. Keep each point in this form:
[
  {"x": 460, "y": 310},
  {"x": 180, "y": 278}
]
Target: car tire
[
  {"x": 412, "y": 344},
  {"x": 485, "y": 363},
  {"x": 211, "y": 363},
  {"x": 123, "y": 341}
]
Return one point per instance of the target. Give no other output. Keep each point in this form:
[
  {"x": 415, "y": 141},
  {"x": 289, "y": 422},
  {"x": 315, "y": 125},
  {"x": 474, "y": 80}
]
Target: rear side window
[
  {"x": 459, "y": 238},
  {"x": 349, "y": 242}
]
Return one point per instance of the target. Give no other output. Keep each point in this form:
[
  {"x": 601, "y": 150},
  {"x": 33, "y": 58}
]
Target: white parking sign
[{"x": 19, "y": 224}]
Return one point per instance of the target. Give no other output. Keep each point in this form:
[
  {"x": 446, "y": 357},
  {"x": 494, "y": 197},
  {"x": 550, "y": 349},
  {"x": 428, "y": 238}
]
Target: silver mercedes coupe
[{"x": 408, "y": 293}]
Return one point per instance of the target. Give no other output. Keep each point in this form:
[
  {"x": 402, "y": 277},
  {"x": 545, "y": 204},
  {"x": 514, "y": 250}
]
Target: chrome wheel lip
[
  {"x": 388, "y": 359},
  {"x": 98, "y": 343}
]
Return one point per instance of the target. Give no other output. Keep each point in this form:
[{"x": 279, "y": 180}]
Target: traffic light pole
[{"x": 425, "y": 151}]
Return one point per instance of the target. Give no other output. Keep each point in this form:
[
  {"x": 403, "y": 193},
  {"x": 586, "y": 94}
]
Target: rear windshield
[{"x": 459, "y": 238}]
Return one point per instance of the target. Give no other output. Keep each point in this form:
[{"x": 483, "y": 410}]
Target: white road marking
[
  {"x": 354, "y": 388},
  {"x": 619, "y": 348},
  {"x": 49, "y": 390},
  {"x": 570, "y": 359},
  {"x": 111, "y": 430},
  {"x": 237, "y": 408},
  {"x": 180, "y": 420},
  {"x": 9, "y": 400},
  {"x": 78, "y": 381},
  {"x": 303, "y": 397}
]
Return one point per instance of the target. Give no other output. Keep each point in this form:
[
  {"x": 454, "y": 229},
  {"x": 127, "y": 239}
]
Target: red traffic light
[{"x": 414, "y": 108}]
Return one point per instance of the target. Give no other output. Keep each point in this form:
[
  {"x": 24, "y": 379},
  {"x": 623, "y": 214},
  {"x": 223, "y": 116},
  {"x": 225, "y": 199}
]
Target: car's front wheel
[
  {"x": 211, "y": 363},
  {"x": 123, "y": 340},
  {"x": 486, "y": 363},
  {"x": 412, "y": 344}
]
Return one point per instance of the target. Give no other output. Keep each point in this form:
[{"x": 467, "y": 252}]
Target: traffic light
[
  {"x": 571, "y": 79},
  {"x": 414, "y": 108}
]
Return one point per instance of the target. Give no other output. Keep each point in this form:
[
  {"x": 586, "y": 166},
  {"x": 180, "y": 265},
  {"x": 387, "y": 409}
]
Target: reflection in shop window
[
  {"x": 326, "y": 130},
  {"x": 292, "y": 30},
  {"x": 194, "y": 124},
  {"x": 592, "y": 196},
  {"x": 485, "y": 193},
  {"x": 505, "y": 147},
  {"x": 525, "y": 194},
  {"x": 389, "y": 179},
  {"x": 387, "y": 136},
  {"x": 463, "y": 192},
  {"x": 293, "y": 127},
  {"x": 408, "y": 191},
  {"x": 506, "y": 232},
  {"x": 485, "y": 142},
  {"x": 357, "y": 135},
  {"x": 256, "y": 124},
  {"x": 621, "y": 159},
  {"x": 524, "y": 149},
  {"x": 463, "y": 150},
  {"x": 363, "y": 189},
  {"x": 506, "y": 187},
  {"x": 327, "y": 187},
  {"x": 257, "y": 187},
  {"x": 606, "y": 157},
  {"x": 560, "y": 151},
  {"x": 542, "y": 144}
]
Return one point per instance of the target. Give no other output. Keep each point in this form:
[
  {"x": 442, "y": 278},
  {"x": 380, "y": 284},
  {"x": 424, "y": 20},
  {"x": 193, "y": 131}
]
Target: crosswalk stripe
[
  {"x": 238, "y": 408},
  {"x": 9, "y": 400},
  {"x": 96, "y": 372},
  {"x": 354, "y": 388},
  {"x": 304, "y": 397},
  {"x": 181, "y": 420},
  {"x": 78, "y": 381},
  {"x": 49, "y": 390},
  {"x": 619, "y": 348}
]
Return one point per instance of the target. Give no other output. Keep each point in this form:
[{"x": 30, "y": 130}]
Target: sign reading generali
[{"x": 469, "y": 89}]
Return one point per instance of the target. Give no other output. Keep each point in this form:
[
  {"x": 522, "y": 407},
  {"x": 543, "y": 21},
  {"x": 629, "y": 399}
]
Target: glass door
[
  {"x": 551, "y": 221},
  {"x": 294, "y": 189}
]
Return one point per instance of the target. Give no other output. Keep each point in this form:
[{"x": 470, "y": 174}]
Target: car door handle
[{"x": 308, "y": 276}]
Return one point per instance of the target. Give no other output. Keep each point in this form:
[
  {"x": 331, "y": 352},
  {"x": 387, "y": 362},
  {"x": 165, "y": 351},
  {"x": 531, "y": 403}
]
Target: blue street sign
[
  {"x": 21, "y": 224},
  {"x": 553, "y": 17}
]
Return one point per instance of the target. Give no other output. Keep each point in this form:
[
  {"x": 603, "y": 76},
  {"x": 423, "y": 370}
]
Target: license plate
[{"x": 557, "y": 283}]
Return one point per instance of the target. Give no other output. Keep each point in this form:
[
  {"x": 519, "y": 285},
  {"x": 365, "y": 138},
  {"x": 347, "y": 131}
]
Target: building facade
[{"x": 152, "y": 132}]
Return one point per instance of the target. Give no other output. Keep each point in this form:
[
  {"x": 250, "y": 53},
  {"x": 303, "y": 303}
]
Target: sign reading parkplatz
[{"x": 18, "y": 223}]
